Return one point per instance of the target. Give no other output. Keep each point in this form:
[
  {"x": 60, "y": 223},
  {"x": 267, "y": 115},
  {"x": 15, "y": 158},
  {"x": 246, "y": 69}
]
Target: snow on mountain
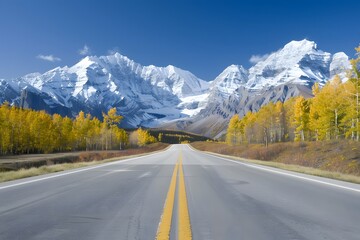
[
  {"x": 140, "y": 93},
  {"x": 220, "y": 89},
  {"x": 339, "y": 65},
  {"x": 172, "y": 97},
  {"x": 230, "y": 79},
  {"x": 299, "y": 62},
  {"x": 180, "y": 82},
  {"x": 288, "y": 72}
]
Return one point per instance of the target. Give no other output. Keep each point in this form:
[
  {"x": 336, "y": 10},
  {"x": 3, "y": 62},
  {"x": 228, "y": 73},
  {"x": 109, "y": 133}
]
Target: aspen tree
[{"x": 301, "y": 118}]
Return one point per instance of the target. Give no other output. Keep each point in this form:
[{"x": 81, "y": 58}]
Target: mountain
[
  {"x": 143, "y": 94},
  {"x": 339, "y": 65},
  {"x": 169, "y": 96},
  {"x": 290, "y": 71}
]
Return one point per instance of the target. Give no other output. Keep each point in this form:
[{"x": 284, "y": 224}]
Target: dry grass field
[
  {"x": 327, "y": 158},
  {"x": 75, "y": 160}
]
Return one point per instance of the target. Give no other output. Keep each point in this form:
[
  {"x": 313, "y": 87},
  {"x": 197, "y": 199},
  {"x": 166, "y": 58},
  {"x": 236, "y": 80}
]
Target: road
[{"x": 181, "y": 193}]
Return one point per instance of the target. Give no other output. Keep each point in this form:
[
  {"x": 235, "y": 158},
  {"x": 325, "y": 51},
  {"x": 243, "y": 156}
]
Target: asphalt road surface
[{"x": 182, "y": 194}]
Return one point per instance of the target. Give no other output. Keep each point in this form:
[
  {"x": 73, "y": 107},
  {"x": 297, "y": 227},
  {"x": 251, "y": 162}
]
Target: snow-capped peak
[
  {"x": 297, "y": 62},
  {"x": 118, "y": 58},
  {"x": 180, "y": 82},
  {"x": 84, "y": 64},
  {"x": 289, "y": 55},
  {"x": 230, "y": 79},
  {"x": 234, "y": 72},
  {"x": 151, "y": 95},
  {"x": 302, "y": 45},
  {"x": 340, "y": 65}
]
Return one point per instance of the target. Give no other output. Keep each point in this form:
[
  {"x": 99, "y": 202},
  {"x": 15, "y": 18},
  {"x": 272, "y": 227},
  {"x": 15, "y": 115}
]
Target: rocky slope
[
  {"x": 290, "y": 71},
  {"x": 171, "y": 97}
]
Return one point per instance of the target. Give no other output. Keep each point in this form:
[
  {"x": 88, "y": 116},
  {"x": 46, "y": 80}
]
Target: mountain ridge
[{"x": 171, "y": 97}]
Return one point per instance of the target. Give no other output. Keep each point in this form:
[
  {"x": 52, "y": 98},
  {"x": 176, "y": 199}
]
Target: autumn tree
[
  {"x": 235, "y": 130},
  {"x": 265, "y": 120},
  {"x": 29, "y": 131},
  {"x": 111, "y": 120},
  {"x": 81, "y": 128},
  {"x": 67, "y": 135},
  {"x": 301, "y": 118},
  {"x": 353, "y": 90},
  {"x": 328, "y": 110},
  {"x": 160, "y": 137},
  {"x": 249, "y": 127},
  {"x": 280, "y": 122},
  {"x": 121, "y": 137},
  {"x": 144, "y": 137}
]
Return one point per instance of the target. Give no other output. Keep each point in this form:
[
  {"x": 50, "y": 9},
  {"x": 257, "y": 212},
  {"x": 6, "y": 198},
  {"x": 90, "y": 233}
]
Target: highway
[{"x": 179, "y": 193}]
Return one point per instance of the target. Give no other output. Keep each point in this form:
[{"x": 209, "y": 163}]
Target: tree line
[
  {"x": 333, "y": 113},
  {"x": 29, "y": 131},
  {"x": 24, "y": 131}
]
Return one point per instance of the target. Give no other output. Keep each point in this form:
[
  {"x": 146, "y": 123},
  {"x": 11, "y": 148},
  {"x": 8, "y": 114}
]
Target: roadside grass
[
  {"x": 224, "y": 150},
  {"x": 36, "y": 171}
]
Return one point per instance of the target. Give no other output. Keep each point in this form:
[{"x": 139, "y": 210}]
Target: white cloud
[
  {"x": 85, "y": 50},
  {"x": 254, "y": 59},
  {"x": 49, "y": 58}
]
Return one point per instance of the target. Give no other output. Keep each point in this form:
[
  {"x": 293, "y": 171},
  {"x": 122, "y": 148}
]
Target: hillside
[
  {"x": 170, "y": 97},
  {"x": 335, "y": 156}
]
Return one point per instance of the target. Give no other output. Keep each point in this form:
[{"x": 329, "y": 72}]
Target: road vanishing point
[{"x": 179, "y": 193}]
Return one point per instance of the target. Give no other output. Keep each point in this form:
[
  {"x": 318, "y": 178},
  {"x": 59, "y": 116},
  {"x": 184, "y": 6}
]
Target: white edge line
[
  {"x": 72, "y": 172},
  {"x": 279, "y": 172}
]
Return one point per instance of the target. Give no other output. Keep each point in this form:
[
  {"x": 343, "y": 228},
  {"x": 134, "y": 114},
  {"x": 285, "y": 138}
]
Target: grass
[
  {"x": 36, "y": 171},
  {"x": 276, "y": 155}
]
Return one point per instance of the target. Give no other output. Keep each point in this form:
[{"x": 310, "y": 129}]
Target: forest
[
  {"x": 333, "y": 113},
  {"x": 25, "y": 131}
]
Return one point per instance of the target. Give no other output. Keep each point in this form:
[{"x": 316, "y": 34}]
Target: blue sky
[{"x": 201, "y": 36}]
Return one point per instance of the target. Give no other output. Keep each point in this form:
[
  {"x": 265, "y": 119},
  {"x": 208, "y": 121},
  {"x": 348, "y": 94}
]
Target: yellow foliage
[
  {"x": 144, "y": 137},
  {"x": 333, "y": 113},
  {"x": 29, "y": 131},
  {"x": 301, "y": 118}
]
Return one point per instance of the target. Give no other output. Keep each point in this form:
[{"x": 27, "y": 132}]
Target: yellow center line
[
  {"x": 163, "y": 232},
  {"x": 184, "y": 226}
]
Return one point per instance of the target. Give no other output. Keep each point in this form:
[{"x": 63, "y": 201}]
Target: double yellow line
[{"x": 184, "y": 226}]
